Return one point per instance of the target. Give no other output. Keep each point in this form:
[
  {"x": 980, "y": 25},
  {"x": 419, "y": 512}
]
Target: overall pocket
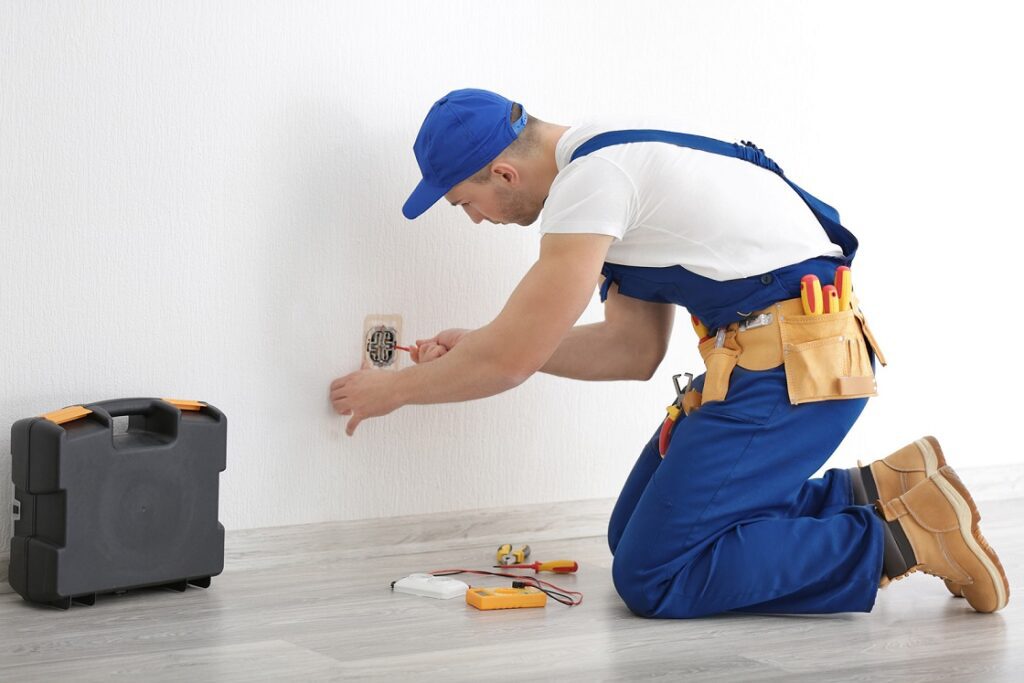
[{"x": 826, "y": 357}]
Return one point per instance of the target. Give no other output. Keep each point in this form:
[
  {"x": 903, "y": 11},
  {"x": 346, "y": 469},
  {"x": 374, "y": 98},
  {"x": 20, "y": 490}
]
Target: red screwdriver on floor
[{"x": 556, "y": 566}]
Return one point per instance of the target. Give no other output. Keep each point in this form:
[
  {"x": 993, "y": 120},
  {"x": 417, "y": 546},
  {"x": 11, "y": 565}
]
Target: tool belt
[{"x": 825, "y": 356}]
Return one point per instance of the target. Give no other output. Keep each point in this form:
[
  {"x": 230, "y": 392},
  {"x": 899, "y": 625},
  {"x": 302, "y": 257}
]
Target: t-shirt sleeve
[{"x": 591, "y": 195}]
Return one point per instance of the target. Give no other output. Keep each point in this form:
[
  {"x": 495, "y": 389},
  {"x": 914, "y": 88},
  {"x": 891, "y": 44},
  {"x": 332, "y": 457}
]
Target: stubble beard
[{"x": 516, "y": 207}]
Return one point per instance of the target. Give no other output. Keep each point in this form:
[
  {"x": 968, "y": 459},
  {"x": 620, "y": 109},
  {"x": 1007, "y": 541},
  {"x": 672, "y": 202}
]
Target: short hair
[{"x": 526, "y": 144}]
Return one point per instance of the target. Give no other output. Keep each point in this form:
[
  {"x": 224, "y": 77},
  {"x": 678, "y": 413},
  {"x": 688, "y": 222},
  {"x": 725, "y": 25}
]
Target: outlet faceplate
[{"x": 381, "y": 336}]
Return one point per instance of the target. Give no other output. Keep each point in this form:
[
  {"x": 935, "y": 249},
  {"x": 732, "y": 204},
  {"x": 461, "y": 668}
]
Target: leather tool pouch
[
  {"x": 720, "y": 363},
  {"x": 825, "y": 356}
]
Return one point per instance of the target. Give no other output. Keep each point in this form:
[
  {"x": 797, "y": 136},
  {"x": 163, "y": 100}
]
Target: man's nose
[{"x": 473, "y": 214}]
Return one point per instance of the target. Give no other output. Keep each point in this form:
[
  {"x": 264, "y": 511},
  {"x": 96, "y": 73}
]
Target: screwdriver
[
  {"x": 556, "y": 566},
  {"x": 831, "y": 299},
  {"x": 844, "y": 285},
  {"x": 700, "y": 328},
  {"x": 810, "y": 295}
]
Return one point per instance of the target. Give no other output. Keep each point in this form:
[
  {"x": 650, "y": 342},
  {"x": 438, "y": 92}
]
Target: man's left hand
[{"x": 363, "y": 394}]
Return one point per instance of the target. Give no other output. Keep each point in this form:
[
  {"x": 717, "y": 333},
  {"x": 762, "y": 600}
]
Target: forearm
[
  {"x": 473, "y": 369},
  {"x": 596, "y": 352},
  {"x": 529, "y": 329}
]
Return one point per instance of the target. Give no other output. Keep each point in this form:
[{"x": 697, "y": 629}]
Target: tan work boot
[
  {"x": 896, "y": 474},
  {"x": 933, "y": 528}
]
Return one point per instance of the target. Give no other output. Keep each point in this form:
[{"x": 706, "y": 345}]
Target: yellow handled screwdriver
[
  {"x": 844, "y": 285},
  {"x": 810, "y": 295},
  {"x": 700, "y": 328}
]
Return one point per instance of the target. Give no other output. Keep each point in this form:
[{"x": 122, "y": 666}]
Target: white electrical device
[{"x": 429, "y": 586}]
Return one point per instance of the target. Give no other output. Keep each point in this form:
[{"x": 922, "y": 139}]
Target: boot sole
[
  {"x": 968, "y": 518},
  {"x": 934, "y": 458}
]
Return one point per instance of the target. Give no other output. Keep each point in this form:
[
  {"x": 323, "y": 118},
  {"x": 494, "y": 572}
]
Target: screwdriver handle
[
  {"x": 556, "y": 566},
  {"x": 700, "y": 328},
  {"x": 831, "y": 299},
  {"x": 844, "y": 285},
  {"x": 810, "y": 295}
]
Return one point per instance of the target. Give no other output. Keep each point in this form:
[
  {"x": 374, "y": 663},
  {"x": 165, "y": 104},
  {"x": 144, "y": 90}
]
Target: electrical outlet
[{"x": 381, "y": 336}]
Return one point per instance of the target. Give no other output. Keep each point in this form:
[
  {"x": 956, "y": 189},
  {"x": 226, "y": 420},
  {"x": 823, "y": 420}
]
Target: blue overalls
[{"x": 728, "y": 520}]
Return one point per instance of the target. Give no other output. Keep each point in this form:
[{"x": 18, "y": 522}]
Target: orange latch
[
  {"x": 185, "y": 404},
  {"x": 66, "y": 414}
]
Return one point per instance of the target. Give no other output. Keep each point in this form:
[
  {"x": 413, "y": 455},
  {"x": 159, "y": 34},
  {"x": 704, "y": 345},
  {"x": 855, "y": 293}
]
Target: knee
[
  {"x": 614, "y": 534},
  {"x": 633, "y": 582},
  {"x": 653, "y": 592}
]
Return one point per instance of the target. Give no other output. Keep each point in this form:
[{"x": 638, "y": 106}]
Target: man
[{"x": 718, "y": 513}]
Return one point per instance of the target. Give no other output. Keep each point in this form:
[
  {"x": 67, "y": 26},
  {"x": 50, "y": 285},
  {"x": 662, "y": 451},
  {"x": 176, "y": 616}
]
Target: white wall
[{"x": 203, "y": 200}]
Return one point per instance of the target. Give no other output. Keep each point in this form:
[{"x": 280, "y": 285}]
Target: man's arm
[
  {"x": 629, "y": 344},
  {"x": 531, "y": 326}
]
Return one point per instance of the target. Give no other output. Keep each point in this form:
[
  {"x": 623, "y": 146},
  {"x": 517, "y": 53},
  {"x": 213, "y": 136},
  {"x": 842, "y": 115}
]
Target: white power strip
[{"x": 429, "y": 586}]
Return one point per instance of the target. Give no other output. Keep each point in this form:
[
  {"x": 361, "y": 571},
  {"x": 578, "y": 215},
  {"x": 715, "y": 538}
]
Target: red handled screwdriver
[
  {"x": 556, "y": 566},
  {"x": 830, "y": 297},
  {"x": 844, "y": 286},
  {"x": 810, "y": 295}
]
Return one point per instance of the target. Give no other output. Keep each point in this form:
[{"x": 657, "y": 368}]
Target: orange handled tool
[
  {"x": 830, "y": 298},
  {"x": 674, "y": 410},
  {"x": 810, "y": 295},
  {"x": 556, "y": 566},
  {"x": 700, "y": 328},
  {"x": 844, "y": 285},
  {"x": 666, "y": 428}
]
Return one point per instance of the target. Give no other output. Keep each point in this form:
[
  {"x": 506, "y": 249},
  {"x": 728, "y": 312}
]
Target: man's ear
[{"x": 505, "y": 172}]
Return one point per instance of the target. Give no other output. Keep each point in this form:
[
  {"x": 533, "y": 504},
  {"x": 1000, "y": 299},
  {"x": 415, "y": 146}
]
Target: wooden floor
[{"x": 313, "y": 603}]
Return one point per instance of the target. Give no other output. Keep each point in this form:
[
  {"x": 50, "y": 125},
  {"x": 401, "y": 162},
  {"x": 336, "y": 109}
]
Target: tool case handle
[
  {"x": 150, "y": 414},
  {"x": 126, "y": 407}
]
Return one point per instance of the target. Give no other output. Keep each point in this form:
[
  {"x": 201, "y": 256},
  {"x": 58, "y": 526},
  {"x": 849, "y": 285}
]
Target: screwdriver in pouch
[
  {"x": 830, "y": 298},
  {"x": 700, "y": 328},
  {"x": 810, "y": 295},
  {"x": 844, "y": 285}
]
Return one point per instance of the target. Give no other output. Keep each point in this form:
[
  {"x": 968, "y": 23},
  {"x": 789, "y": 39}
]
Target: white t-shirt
[{"x": 720, "y": 217}]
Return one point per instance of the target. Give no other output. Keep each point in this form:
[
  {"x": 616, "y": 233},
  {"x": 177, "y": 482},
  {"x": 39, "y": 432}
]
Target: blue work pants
[{"x": 730, "y": 521}]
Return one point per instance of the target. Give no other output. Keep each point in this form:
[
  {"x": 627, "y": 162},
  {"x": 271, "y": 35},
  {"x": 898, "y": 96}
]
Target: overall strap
[{"x": 826, "y": 215}]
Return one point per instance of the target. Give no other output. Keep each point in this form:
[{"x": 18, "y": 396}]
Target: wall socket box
[{"x": 382, "y": 333}]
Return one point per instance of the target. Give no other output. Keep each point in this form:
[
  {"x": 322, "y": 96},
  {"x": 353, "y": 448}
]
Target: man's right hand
[{"x": 431, "y": 349}]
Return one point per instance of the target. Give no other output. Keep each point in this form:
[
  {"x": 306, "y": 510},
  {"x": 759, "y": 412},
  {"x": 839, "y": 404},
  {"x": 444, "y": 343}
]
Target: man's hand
[
  {"x": 363, "y": 394},
  {"x": 431, "y": 349}
]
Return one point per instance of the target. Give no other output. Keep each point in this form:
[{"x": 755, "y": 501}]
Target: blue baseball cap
[{"x": 464, "y": 131}]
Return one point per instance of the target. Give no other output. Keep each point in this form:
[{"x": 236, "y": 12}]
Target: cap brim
[{"x": 422, "y": 198}]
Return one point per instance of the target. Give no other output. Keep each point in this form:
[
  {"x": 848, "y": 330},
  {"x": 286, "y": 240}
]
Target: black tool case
[{"x": 101, "y": 510}]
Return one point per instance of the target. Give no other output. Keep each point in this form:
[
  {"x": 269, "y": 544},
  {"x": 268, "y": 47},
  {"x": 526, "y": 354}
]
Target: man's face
[{"x": 495, "y": 201}]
